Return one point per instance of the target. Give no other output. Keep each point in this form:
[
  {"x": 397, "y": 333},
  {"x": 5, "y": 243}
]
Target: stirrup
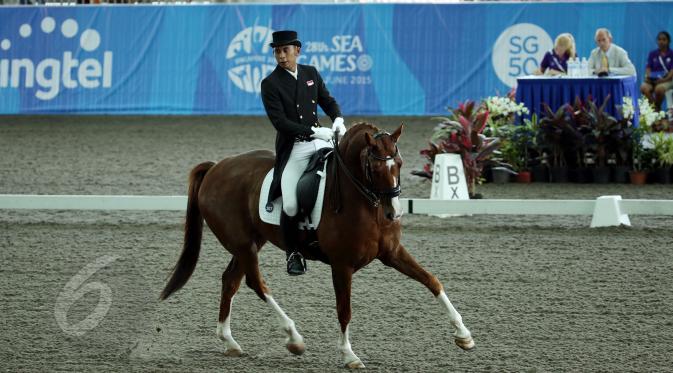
[{"x": 296, "y": 264}]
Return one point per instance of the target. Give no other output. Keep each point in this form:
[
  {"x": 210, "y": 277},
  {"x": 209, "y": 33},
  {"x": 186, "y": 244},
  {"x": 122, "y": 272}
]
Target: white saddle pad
[{"x": 273, "y": 217}]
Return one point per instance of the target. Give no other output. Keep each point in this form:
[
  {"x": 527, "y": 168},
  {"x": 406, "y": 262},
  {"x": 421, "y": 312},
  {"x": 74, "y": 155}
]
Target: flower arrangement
[
  {"x": 648, "y": 116},
  {"x": 503, "y": 107},
  {"x": 502, "y": 112}
]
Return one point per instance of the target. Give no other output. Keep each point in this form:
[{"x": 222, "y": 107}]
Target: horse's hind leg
[
  {"x": 401, "y": 260},
  {"x": 231, "y": 280},
  {"x": 253, "y": 278}
]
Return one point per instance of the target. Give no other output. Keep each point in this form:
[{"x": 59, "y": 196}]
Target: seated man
[{"x": 609, "y": 58}]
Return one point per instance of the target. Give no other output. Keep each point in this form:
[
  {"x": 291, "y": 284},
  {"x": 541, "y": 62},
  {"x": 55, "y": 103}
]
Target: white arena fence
[{"x": 605, "y": 210}]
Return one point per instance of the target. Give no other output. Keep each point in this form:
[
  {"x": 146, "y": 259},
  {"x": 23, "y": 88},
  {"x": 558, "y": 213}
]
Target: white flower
[
  {"x": 504, "y": 106},
  {"x": 648, "y": 115}
]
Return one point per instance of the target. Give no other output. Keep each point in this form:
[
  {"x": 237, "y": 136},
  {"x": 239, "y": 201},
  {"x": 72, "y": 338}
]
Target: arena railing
[{"x": 605, "y": 210}]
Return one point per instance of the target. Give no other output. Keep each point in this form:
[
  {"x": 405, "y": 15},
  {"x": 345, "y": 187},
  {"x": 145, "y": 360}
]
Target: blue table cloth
[{"x": 557, "y": 91}]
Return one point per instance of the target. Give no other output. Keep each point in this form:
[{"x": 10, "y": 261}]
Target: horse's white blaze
[
  {"x": 390, "y": 163},
  {"x": 347, "y": 355},
  {"x": 293, "y": 337},
  {"x": 397, "y": 206},
  {"x": 460, "y": 331},
  {"x": 224, "y": 333}
]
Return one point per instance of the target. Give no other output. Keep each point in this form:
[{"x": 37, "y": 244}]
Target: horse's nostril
[{"x": 390, "y": 216}]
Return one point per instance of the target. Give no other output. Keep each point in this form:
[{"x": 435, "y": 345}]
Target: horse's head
[{"x": 382, "y": 162}]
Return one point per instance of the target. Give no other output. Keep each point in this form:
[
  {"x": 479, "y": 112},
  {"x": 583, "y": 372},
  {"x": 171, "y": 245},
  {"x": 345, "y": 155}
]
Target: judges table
[{"x": 533, "y": 91}]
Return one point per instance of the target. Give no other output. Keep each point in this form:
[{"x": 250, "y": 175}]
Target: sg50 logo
[{"x": 519, "y": 50}]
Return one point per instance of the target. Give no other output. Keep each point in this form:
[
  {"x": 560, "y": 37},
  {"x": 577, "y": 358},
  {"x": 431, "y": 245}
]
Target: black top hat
[{"x": 286, "y": 37}]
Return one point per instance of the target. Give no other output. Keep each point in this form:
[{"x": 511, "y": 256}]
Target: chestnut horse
[{"x": 352, "y": 233}]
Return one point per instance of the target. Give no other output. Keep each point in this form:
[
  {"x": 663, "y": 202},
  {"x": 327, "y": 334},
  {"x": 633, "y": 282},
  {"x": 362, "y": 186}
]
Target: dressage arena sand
[{"x": 538, "y": 293}]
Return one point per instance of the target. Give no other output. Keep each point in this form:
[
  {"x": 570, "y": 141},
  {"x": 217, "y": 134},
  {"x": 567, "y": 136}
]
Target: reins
[{"x": 371, "y": 195}]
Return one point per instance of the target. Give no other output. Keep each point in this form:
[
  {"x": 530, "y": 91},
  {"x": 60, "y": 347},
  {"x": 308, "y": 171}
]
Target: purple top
[
  {"x": 555, "y": 62},
  {"x": 656, "y": 69}
]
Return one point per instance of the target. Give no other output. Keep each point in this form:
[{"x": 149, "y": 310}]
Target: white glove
[
  {"x": 338, "y": 126},
  {"x": 322, "y": 133}
]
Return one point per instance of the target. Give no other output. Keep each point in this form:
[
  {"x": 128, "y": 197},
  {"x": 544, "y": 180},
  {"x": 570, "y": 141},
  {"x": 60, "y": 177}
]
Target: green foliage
[{"x": 663, "y": 149}]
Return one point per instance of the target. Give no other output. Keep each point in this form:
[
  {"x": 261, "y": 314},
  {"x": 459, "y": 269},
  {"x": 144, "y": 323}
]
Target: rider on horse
[{"x": 290, "y": 95}]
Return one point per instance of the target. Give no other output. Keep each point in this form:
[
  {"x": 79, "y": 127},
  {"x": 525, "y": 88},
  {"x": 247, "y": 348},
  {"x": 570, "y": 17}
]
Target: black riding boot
[{"x": 296, "y": 264}]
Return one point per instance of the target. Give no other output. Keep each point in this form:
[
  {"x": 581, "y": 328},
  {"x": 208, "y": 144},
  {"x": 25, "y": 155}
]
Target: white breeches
[{"x": 296, "y": 164}]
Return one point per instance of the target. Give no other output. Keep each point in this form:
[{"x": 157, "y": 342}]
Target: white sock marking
[
  {"x": 293, "y": 337},
  {"x": 347, "y": 355},
  {"x": 224, "y": 332},
  {"x": 454, "y": 317}
]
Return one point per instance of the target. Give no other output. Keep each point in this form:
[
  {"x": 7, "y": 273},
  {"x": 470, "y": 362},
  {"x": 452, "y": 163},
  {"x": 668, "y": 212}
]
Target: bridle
[
  {"x": 386, "y": 193},
  {"x": 372, "y": 195}
]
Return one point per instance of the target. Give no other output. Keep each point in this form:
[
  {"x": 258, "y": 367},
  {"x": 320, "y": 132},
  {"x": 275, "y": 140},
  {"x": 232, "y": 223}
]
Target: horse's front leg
[
  {"x": 341, "y": 277},
  {"x": 401, "y": 260}
]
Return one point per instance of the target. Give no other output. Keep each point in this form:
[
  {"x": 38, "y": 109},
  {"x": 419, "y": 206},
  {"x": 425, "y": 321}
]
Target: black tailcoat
[{"x": 292, "y": 107}]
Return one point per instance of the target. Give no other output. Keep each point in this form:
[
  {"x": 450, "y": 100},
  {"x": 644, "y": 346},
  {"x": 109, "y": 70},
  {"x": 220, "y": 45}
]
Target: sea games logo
[
  {"x": 251, "y": 54},
  {"x": 53, "y": 74},
  {"x": 341, "y": 60}
]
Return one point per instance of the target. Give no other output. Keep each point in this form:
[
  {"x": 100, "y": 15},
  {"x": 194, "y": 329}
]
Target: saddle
[
  {"x": 309, "y": 183},
  {"x": 310, "y": 193}
]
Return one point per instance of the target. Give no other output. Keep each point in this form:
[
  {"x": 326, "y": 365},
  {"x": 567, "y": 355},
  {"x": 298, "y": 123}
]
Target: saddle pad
[{"x": 273, "y": 217}]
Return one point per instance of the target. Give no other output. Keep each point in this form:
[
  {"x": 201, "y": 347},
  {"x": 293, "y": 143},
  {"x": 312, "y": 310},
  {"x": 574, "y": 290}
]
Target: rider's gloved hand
[
  {"x": 338, "y": 126},
  {"x": 322, "y": 133}
]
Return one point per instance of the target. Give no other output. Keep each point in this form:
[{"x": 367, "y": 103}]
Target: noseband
[{"x": 368, "y": 191}]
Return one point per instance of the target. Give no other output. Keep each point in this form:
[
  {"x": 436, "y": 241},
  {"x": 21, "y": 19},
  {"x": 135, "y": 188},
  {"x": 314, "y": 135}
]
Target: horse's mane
[{"x": 354, "y": 139}]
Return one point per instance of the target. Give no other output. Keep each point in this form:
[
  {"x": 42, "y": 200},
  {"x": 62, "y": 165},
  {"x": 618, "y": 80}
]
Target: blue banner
[{"x": 392, "y": 59}]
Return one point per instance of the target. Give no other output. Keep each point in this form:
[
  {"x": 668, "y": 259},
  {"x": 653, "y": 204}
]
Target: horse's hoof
[
  {"x": 233, "y": 352},
  {"x": 296, "y": 348},
  {"x": 466, "y": 344},
  {"x": 356, "y": 364}
]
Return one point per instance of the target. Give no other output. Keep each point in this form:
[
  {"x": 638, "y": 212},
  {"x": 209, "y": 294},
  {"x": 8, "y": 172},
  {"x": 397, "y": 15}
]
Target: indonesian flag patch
[{"x": 309, "y": 83}]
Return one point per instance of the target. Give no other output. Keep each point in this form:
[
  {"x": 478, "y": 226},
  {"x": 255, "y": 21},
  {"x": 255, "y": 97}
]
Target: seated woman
[
  {"x": 555, "y": 62},
  {"x": 659, "y": 71}
]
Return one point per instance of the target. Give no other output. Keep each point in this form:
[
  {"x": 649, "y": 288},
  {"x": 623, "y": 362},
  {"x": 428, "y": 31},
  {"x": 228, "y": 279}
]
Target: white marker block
[
  {"x": 608, "y": 212},
  {"x": 448, "y": 179}
]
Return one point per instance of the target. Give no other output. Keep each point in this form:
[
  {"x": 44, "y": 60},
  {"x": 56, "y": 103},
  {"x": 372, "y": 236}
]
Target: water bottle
[
  {"x": 572, "y": 68},
  {"x": 585, "y": 67}
]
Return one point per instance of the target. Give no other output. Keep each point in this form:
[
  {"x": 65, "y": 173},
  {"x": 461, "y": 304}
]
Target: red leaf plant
[{"x": 461, "y": 133}]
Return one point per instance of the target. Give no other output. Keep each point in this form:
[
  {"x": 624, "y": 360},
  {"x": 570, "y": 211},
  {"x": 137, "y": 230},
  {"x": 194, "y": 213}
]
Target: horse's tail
[{"x": 193, "y": 231}]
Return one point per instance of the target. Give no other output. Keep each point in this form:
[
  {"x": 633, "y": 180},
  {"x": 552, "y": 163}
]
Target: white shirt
[
  {"x": 618, "y": 61},
  {"x": 294, "y": 73}
]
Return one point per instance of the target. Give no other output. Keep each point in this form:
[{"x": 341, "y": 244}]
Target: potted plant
[
  {"x": 641, "y": 158},
  {"x": 500, "y": 124},
  {"x": 582, "y": 123},
  {"x": 523, "y": 138},
  {"x": 621, "y": 142},
  {"x": 556, "y": 132},
  {"x": 461, "y": 133},
  {"x": 601, "y": 131},
  {"x": 663, "y": 150}
]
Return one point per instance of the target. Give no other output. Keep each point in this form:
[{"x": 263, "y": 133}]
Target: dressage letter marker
[{"x": 448, "y": 182}]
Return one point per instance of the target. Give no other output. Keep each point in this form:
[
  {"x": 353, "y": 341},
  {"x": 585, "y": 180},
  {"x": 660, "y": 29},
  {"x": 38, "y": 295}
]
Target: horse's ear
[
  {"x": 369, "y": 139},
  {"x": 398, "y": 132}
]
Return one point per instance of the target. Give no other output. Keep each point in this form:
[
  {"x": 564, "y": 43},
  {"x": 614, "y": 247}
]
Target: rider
[{"x": 290, "y": 95}]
